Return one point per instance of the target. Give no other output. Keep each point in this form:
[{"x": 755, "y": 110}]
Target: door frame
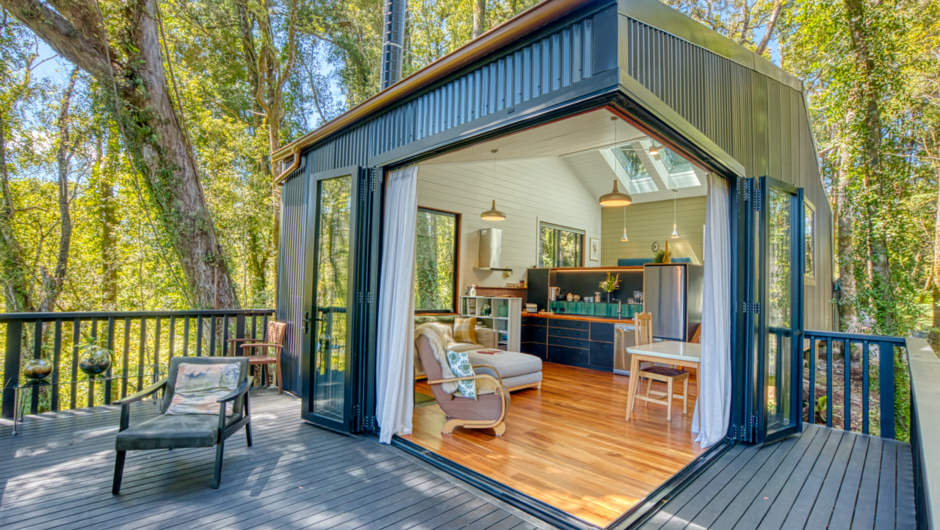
[
  {"x": 759, "y": 265},
  {"x": 308, "y": 334}
]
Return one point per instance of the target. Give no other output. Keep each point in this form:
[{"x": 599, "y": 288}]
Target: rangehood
[{"x": 491, "y": 250}]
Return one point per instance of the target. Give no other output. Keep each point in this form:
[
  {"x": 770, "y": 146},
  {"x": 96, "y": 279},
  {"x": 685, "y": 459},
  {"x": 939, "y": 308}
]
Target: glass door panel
[
  {"x": 778, "y": 287},
  {"x": 331, "y": 241}
]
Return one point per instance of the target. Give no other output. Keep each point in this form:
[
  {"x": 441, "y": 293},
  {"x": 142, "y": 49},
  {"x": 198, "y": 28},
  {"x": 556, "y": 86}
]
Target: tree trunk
[
  {"x": 152, "y": 129},
  {"x": 933, "y": 337},
  {"x": 108, "y": 221},
  {"x": 12, "y": 264},
  {"x": 479, "y": 18},
  {"x": 845, "y": 248}
]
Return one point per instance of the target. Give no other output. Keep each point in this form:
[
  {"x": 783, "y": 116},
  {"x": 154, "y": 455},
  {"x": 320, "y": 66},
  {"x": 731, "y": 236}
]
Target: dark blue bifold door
[
  {"x": 329, "y": 301},
  {"x": 776, "y": 305}
]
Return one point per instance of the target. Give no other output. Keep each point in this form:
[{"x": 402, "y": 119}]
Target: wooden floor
[
  {"x": 57, "y": 474},
  {"x": 569, "y": 445},
  {"x": 823, "y": 478}
]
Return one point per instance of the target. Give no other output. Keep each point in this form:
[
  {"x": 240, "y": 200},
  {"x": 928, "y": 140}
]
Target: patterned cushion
[
  {"x": 460, "y": 365},
  {"x": 200, "y": 386},
  {"x": 465, "y": 330}
]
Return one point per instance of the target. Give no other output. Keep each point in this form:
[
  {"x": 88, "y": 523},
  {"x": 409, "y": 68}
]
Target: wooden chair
[
  {"x": 274, "y": 339},
  {"x": 664, "y": 374}
]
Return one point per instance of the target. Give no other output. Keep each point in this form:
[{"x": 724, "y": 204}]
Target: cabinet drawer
[
  {"x": 570, "y": 333},
  {"x": 571, "y": 324},
  {"x": 602, "y": 355},
  {"x": 602, "y": 332},
  {"x": 571, "y": 343},
  {"x": 534, "y": 348},
  {"x": 569, "y": 356},
  {"x": 534, "y": 334},
  {"x": 534, "y": 321}
]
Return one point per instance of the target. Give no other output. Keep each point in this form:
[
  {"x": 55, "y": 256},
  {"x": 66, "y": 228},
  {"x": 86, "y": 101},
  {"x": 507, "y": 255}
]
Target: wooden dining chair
[
  {"x": 664, "y": 374},
  {"x": 273, "y": 339}
]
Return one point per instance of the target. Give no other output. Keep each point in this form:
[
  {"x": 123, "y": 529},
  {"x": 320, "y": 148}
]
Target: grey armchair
[{"x": 190, "y": 430}]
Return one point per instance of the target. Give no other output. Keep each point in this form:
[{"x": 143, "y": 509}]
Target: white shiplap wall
[
  {"x": 527, "y": 191},
  {"x": 652, "y": 221}
]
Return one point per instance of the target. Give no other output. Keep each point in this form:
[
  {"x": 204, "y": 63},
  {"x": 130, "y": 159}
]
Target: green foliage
[{"x": 610, "y": 283}]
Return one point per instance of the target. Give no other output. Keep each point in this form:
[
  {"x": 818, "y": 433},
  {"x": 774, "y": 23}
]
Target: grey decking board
[
  {"x": 826, "y": 479},
  {"x": 505, "y": 524},
  {"x": 790, "y": 449},
  {"x": 867, "y": 501},
  {"x": 829, "y": 490},
  {"x": 71, "y": 462},
  {"x": 691, "y": 490},
  {"x": 795, "y": 478},
  {"x": 885, "y": 510},
  {"x": 843, "y": 510},
  {"x": 443, "y": 518},
  {"x": 494, "y": 518},
  {"x": 735, "y": 488}
]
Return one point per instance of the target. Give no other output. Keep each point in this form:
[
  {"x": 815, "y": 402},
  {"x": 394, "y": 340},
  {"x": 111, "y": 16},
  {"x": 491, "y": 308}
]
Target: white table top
[{"x": 686, "y": 351}]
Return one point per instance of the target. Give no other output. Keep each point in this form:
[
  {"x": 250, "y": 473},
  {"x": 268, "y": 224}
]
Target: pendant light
[
  {"x": 493, "y": 214},
  {"x": 615, "y": 197},
  {"x": 624, "y": 239},
  {"x": 654, "y": 150},
  {"x": 675, "y": 233}
]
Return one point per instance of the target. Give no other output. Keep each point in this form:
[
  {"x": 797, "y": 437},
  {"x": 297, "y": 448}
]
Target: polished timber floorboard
[
  {"x": 57, "y": 474},
  {"x": 569, "y": 445}
]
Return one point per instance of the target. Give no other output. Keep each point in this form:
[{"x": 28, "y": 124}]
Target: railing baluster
[
  {"x": 186, "y": 337},
  {"x": 886, "y": 387},
  {"x": 865, "y": 380},
  {"x": 91, "y": 381},
  {"x": 125, "y": 359},
  {"x": 212, "y": 332},
  {"x": 107, "y": 383},
  {"x": 156, "y": 351},
  {"x": 265, "y": 328},
  {"x": 813, "y": 354},
  {"x": 11, "y": 366},
  {"x": 141, "y": 354},
  {"x": 172, "y": 340},
  {"x": 254, "y": 326},
  {"x": 828, "y": 382},
  {"x": 198, "y": 336},
  {"x": 847, "y": 384},
  {"x": 56, "y": 359},
  {"x": 76, "y": 340},
  {"x": 37, "y": 353},
  {"x": 225, "y": 336}
]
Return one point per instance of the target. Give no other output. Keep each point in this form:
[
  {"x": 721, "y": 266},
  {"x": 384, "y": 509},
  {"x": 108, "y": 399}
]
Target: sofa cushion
[
  {"x": 465, "y": 329},
  {"x": 200, "y": 386},
  {"x": 465, "y": 346},
  {"x": 509, "y": 364}
]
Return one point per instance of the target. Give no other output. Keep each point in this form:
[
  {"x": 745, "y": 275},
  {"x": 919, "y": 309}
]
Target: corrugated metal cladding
[
  {"x": 290, "y": 292},
  {"x": 757, "y": 120},
  {"x": 550, "y": 64}
]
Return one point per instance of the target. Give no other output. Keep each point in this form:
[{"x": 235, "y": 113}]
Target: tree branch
[{"x": 778, "y": 4}]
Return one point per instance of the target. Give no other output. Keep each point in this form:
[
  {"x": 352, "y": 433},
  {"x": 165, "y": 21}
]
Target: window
[
  {"x": 436, "y": 261},
  {"x": 560, "y": 247},
  {"x": 809, "y": 235}
]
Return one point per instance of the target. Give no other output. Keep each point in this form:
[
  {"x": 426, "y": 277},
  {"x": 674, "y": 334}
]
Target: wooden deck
[
  {"x": 57, "y": 474},
  {"x": 824, "y": 478}
]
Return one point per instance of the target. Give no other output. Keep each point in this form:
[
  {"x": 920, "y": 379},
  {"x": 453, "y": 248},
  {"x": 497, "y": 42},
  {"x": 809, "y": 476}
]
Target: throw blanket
[{"x": 441, "y": 339}]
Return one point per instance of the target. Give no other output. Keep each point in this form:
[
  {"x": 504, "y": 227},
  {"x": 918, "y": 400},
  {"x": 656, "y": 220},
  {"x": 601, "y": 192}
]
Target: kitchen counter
[{"x": 587, "y": 318}]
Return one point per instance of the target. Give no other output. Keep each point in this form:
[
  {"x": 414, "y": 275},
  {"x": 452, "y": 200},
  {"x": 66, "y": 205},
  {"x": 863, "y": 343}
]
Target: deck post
[
  {"x": 886, "y": 388},
  {"x": 11, "y": 366}
]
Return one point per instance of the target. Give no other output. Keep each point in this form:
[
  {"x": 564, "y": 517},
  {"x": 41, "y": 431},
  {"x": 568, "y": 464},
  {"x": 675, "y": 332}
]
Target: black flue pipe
[{"x": 393, "y": 42}]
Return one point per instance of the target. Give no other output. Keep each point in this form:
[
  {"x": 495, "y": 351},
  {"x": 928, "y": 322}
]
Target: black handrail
[
  {"x": 156, "y": 337},
  {"x": 886, "y": 386}
]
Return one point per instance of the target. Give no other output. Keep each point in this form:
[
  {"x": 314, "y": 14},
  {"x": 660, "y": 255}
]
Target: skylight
[{"x": 678, "y": 170}]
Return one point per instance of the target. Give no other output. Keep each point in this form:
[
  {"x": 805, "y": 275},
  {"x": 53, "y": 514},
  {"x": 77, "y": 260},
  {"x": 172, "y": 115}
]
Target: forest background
[{"x": 135, "y": 137}]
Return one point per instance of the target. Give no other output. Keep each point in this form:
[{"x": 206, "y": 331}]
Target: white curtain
[
  {"x": 395, "y": 366},
  {"x": 713, "y": 408}
]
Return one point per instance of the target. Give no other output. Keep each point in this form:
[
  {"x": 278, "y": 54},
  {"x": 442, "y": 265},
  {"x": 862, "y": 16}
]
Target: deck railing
[
  {"x": 869, "y": 362},
  {"x": 142, "y": 342}
]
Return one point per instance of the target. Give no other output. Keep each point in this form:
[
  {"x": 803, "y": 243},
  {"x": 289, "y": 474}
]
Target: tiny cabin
[{"x": 614, "y": 214}]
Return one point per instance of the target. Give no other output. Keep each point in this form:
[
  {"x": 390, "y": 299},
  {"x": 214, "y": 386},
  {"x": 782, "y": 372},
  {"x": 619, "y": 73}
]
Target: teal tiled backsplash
[{"x": 596, "y": 309}]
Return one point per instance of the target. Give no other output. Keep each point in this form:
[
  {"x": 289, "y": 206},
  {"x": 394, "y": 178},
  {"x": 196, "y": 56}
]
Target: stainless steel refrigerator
[{"x": 672, "y": 292}]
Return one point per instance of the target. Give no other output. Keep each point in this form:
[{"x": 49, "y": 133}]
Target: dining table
[{"x": 675, "y": 353}]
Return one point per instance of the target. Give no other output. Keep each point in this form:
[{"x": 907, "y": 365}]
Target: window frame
[
  {"x": 454, "y": 297},
  {"x": 809, "y": 276},
  {"x": 557, "y": 228}
]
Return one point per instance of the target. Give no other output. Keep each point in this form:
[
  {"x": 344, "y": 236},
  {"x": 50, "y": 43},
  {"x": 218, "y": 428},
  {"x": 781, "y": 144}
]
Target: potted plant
[{"x": 610, "y": 284}]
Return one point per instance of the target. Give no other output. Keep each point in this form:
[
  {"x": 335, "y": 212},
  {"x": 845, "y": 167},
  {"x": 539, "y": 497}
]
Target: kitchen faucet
[{"x": 619, "y": 307}]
